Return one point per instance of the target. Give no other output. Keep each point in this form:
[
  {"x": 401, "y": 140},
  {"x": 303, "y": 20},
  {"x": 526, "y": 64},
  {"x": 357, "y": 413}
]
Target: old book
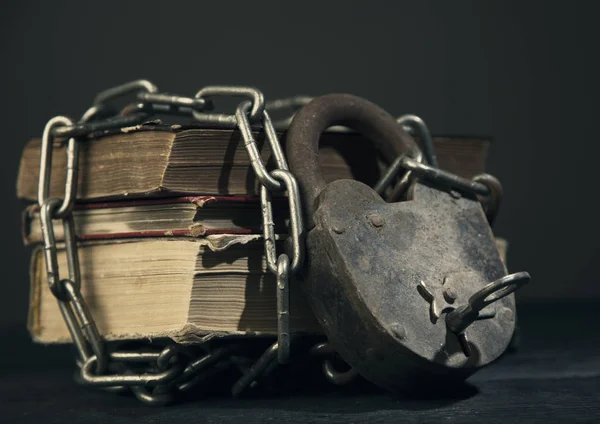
[
  {"x": 154, "y": 160},
  {"x": 185, "y": 289},
  {"x": 169, "y": 287},
  {"x": 190, "y": 216}
]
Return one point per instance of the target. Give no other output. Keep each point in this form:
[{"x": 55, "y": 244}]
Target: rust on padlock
[{"x": 377, "y": 287}]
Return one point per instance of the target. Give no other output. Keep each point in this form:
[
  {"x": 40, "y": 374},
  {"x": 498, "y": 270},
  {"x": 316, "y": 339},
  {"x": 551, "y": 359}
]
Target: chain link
[
  {"x": 132, "y": 87},
  {"x": 243, "y": 122},
  {"x": 88, "y": 126},
  {"x": 165, "y": 104},
  {"x": 224, "y": 120},
  {"x": 339, "y": 378}
]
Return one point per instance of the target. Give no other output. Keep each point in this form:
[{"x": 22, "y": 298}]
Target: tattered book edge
[{"x": 187, "y": 334}]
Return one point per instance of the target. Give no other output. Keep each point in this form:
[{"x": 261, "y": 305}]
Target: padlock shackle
[{"x": 302, "y": 140}]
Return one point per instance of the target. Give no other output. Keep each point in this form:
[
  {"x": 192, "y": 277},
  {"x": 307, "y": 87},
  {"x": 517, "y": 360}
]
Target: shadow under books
[{"x": 301, "y": 386}]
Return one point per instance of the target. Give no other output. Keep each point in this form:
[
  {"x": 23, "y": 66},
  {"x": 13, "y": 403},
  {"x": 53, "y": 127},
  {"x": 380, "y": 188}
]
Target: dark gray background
[{"x": 524, "y": 72}]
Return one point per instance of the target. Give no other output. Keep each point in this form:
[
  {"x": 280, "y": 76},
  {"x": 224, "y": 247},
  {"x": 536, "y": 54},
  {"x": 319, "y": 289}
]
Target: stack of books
[{"x": 169, "y": 230}]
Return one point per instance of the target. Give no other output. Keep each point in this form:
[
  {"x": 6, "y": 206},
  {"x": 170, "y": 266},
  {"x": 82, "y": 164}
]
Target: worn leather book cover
[{"x": 157, "y": 160}]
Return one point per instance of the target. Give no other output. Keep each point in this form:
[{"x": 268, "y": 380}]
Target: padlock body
[{"x": 366, "y": 260}]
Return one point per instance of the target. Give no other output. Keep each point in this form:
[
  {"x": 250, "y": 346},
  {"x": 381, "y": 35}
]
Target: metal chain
[
  {"x": 166, "y": 370},
  {"x": 171, "y": 369},
  {"x": 95, "y": 363},
  {"x": 278, "y": 180},
  {"x": 67, "y": 291},
  {"x": 486, "y": 187}
]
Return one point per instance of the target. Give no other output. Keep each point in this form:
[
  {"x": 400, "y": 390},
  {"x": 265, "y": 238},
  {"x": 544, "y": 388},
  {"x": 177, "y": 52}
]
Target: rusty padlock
[{"x": 412, "y": 293}]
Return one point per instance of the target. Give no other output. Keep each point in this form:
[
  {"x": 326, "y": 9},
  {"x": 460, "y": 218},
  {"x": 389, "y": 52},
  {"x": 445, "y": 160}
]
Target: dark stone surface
[{"x": 553, "y": 377}]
